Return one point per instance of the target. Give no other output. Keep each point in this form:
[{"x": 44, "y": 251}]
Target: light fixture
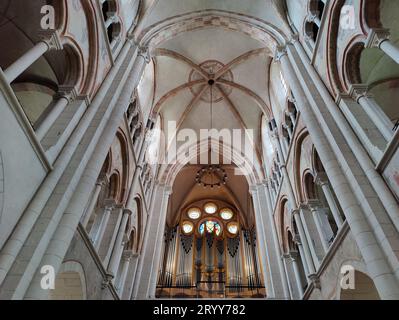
[
  {"x": 194, "y": 213},
  {"x": 211, "y": 176},
  {"x": 188, "y": 227},
  {"x": 226, "y": 214},
  {"x": 210, "y": 208},
  {"x": 232, "y": 227}
]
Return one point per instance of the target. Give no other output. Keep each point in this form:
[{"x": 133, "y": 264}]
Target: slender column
[
  {"x": 314, "y": 209},
  {"x": 380, "y": 38},
  {"x": 145, "y": 284},
  {"x": 272, "y": 224},
  {"x": 292, "y": 117},
  {"x": 298, "y": 242},
  {"x": 288, "y": 130},
  {"x": 284, "y": 259},
  {"x": 312, "y": 248},
  {"x": 297, "y": 273},
  {"x": 109, "y": 206},
  {"x": 373, "y": 110},
  {"x": 304, "y": 243},
  {"x": 119, "y": 244},
  {"x": 30, "y": 57},
  {"x": 126, "y": 258},
  {"x": 101, "y": 182},
  {"x": 261, "y": 240},
  {"x": 63, "y": 99},
  {"x": 322, "y": 181},
  {"x": 111, "y": 18}
]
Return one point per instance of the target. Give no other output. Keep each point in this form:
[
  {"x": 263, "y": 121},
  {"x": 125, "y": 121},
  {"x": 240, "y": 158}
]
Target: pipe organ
[{"x": 210, "y": 255}]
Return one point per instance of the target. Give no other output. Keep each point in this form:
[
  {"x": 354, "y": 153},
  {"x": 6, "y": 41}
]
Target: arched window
[{"x": 112, "y": 23}]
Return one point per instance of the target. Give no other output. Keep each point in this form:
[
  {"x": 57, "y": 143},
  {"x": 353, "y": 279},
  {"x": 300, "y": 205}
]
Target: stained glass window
[
  {"x": 210, "y": 227},
  {"x": 202, "y": 228}
]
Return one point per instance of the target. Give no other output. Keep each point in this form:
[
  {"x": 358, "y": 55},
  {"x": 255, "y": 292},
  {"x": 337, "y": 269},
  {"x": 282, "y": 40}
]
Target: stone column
[
  {"x": 380, "y": 38},
  {"x": 304, "y": 243},
  {"x": 284, "y": 259},
  {"x": 63, "y": 99},
  {"x": 119, "y": 244},
  {"x": 108, "y": 207},
  {"x": 146, "y": 280},
  {"x": 298, "y": 278},
  {"x": 101, "y": 182},
  {"x": 126, "y": 258},
  {"x": 309, "y": 238},
  {"x": 322, "y": 180},
  {"x": 270, "y": 223},
  {"x": 50, "y": 42},
  {"x": 261, "y": 242},
  {"x": 318, "y": 109},
  {"x": 313, "y": 205},
  {"x": 298, "y": 242},
  {"x": 373, "y": 110}
]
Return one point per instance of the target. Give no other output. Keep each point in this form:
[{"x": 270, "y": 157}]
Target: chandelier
[{"x": 211, "y": 176}]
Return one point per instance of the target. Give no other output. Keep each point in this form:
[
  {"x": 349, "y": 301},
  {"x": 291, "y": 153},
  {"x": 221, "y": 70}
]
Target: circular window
[
  {"x": 226, "y": 214},
  {"x": 232, "y": 227},
  {"x": 210, "y": 208},
  {"x": 194, "y": 213},
  {"x": 188, "y": 227}
]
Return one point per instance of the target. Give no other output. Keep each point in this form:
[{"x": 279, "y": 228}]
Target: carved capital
[
  {"x": 321, "y": 179},
  {"x": 376, "y": 37},
  {"x": 52, "y": 39},
  {"x": 144, "y": 52},
  {"x": 358, "y": 91},
  {"x": 315, "y": 281},
  {"x": 280, "y": 52}
]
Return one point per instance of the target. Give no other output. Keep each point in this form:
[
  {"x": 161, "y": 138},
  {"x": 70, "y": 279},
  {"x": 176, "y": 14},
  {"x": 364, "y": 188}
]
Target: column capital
[
  {"x": 358, "y": 91},
  {"x": 144, "y": 52},
  {"x": 295, "y": 211},
  {"x": 313, "y": 204},
  {"x": 294, "y": 255},
  {"x": 253, "y": 190},
  {"x": 127, "y": 255},
  {"x": 321, "y": 179},
  {"x": 376, "y": 37},
  {"x": 315, "y": 280},
  {"x": 67, "y": 92},
  {"x": 297, "y": 239},
  {"x": 280, "y": 52},
  {"x": 294, "y": 38},
  {"x": 127, "y": 212},
  {"x": 52, "y": 39},
  {"x": 102, "y": 180},
  {"x": 109, "y": 204},
  {"x": 285, "y": 256}
]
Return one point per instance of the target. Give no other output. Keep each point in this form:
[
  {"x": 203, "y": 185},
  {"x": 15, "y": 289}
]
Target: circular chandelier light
[{"x": 211, "y": 176}]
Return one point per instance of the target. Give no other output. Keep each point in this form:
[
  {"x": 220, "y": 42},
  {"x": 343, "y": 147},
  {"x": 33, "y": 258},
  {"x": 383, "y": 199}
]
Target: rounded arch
[
  {"x": 70, "y": 283},
  {"x": 364, "y": 287},
  {"x": 170, "y": 170},
  {"x": 264, "y": 32}
]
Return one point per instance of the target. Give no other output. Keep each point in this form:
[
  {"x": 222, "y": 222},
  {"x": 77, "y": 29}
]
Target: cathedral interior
[{"x": 199, "y": 149}]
